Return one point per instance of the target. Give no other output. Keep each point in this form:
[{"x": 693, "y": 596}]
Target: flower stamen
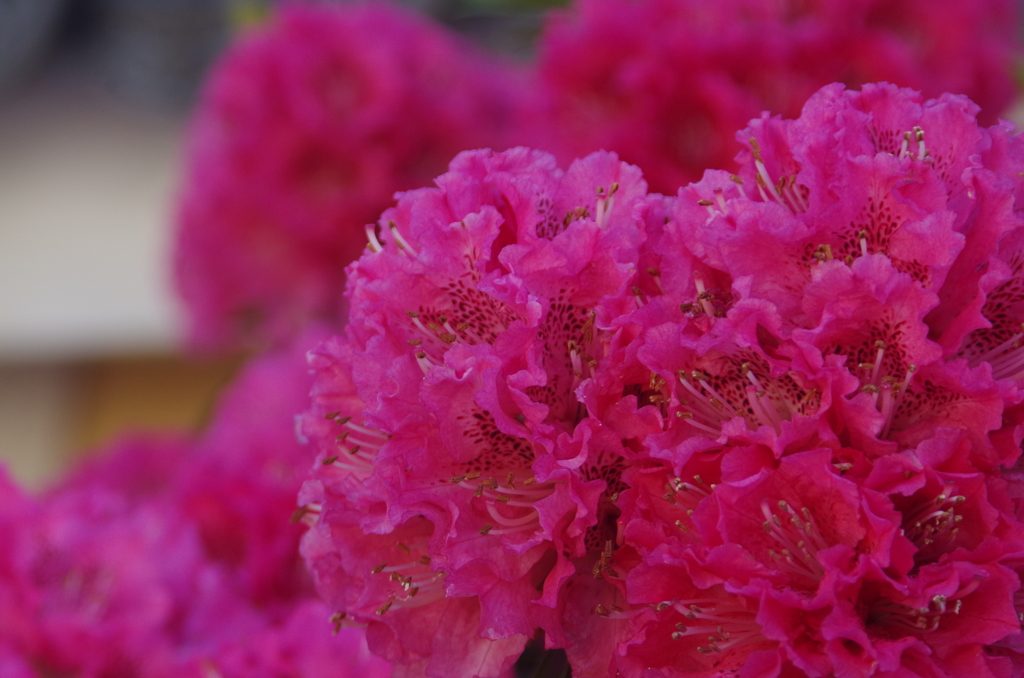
[
  {"x": 1006, "y": 359},
  {"x": 307, "y": 514},
  {"x": 799, "y": 537},
  {"x": 922, "y": 152},
  {"x": 519, "y": 493},
  {"x": 739, "y": 185},
  {"x": 924, "y": 619},
  {"x": 728, "y": 625},
  {"x": 703, "y": 296},
  {"x": 604, "y": 204},
  {"x": 935, "y": 520},
  {"x": 403, "y": 245},
  {"x": 371, "y": 237}
]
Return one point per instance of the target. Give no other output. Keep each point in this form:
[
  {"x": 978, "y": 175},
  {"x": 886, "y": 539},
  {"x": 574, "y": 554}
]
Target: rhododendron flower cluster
[
  {"x": 305, "y": 130},
  {"x": 766, "y": 427},
  {"x": 667, "y": 88}
]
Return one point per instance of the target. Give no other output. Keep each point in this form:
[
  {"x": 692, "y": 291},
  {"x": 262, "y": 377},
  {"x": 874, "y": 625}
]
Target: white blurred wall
[
  {"x": 86, "y": 187},
  {"x": 85, "y": 194}
]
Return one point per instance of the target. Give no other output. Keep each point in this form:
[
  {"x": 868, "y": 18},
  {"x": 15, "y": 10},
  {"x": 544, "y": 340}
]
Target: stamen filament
[
  {"x": 689, "y": 417},
  {"x": 739, "y": 184},
  {"x": 366, "y": 431},
  {"x": 399, "y": 240},
  {"x": 371, "y": 237},
  {"x": 532, "y": 517},
  {"x": 535, "y": 491}
]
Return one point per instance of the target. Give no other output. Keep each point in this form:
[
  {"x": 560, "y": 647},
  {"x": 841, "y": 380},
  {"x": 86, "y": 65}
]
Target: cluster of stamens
[
  {"x": 439, "y": 335},
  {"x": 719, "y": 200},
  {"x": 582, "y": 363},
  {"x": 934, "y": 521},
  {"x": 655, "y": 393},
  {"x": 357, "y": 446},
  {"x": 799, "y": 538},
  {"x": 519, "y": 493},
  {"x": 915, "y": 136},
  {"x": 603, "y": 566},
  {"x": 824, "y": 251},
  {"x": 728, "y": 624},
  {"x": 922, "y": 619},
  {"x": 605, "y": 201},
  {"x": 887, "y": 391},
  {"x": 404, "y": 248},
  {"x": 307, "y": 514},
  {"x": 418, "y": 585},
  {"x": 1006, "y": 359},
  {"x": 686, "y": 495},
  {"x": 703, "y": 303},
  {"x": 785, "y": 192},
  {"x": 706, "y": 409}
]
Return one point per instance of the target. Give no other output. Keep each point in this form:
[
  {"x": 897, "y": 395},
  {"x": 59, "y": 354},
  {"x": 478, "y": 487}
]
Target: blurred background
[{"x": 94, "y": 99}]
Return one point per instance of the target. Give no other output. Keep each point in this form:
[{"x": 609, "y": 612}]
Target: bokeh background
[{"x": 94, "y": 99}]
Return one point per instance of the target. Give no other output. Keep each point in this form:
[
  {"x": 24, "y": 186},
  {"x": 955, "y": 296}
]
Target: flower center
[
  {"x": 510, "y": 503},
  {"x": 932, "y": 523},
  {"x": 887, "y": 391},
  {"x": 358, "y": 446},
  {"x": 413, "y": 583},
  {"x": 727, "y": 625},
  {"x": 910, "y": 139},
  {"x": 752, "y": 394},
  {"x": 904, "y": 618},
  {"x": 1006, "y": 359},
  {"x": 785, "y": 192},
  {"x": 799, "y": 540}
]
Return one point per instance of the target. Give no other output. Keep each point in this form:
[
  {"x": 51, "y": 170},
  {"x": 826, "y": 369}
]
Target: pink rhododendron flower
[
  {"x": 14, "y": 664},
  {"x": 138, "y": 467},
  {"x": 166, "y": 556},
  {"x": 831, "y": 455},
  {"x": 112, "y": 584},
  {"x": 305, "y": 130},
  {"x": 447, "y": 420},
  {"x": 668, "y": 87},
  {"x": 769, "y": 427},
  {"x": 303, "y": 646},
  {"x": 105, "y": 577},
  {"x": 239, "y": 485},
  {"x": 18, "y": 633}
]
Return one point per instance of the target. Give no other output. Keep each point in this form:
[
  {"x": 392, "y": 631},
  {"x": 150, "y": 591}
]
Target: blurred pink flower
[
  {"x": 302, "y": 646},
  {"x": 138, "y": 467},
  {"x": 667, "y": 88},
  {"x": 239, "y": 485},
  {"x": 306, "y": 129},
  {"x": 15, "y": 664},
  {"x": 162, "y": 556},
  {"x": 113, "y": 583},
  {"x": 18, "y": 600}
]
